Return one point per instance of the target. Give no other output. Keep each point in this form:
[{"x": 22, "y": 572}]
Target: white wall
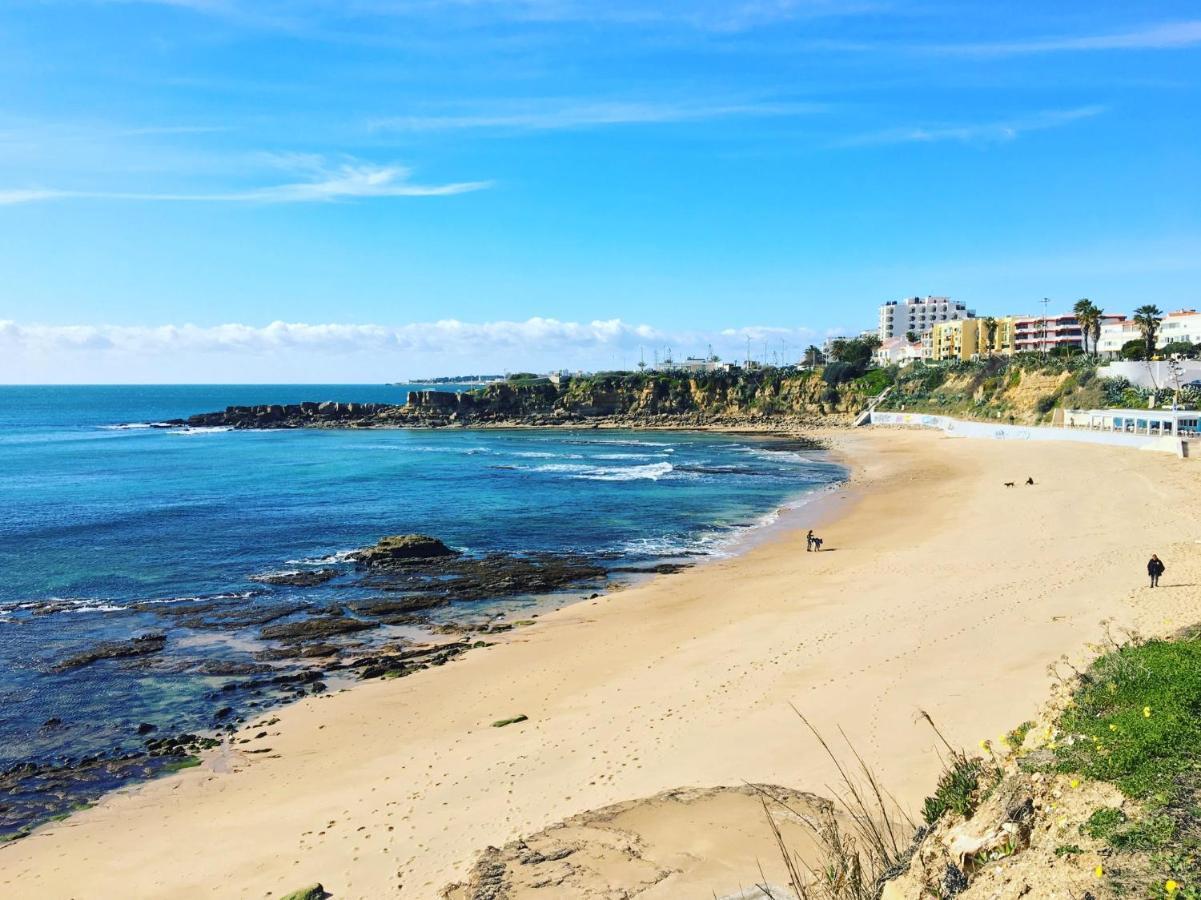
[
  {"x": 1150, "y": 374},
  {"x": 999, "y": 432}
]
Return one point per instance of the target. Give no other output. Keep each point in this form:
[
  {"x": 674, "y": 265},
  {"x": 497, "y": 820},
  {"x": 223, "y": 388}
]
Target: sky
[{"x": 375, "y": 190}]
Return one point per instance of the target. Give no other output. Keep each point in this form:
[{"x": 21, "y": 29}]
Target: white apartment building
[
  {"x": 1182, "y": 325},
  {"x": 917, "y": 314}
]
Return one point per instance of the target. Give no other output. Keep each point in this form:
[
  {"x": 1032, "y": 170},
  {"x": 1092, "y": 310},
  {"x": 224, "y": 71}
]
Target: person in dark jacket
[{"x": 1155, "y": 568}]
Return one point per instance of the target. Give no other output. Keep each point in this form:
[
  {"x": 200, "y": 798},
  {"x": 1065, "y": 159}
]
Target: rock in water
[
  {"x": 143, "y": 645},
  {"x": 303, "y": 578},
  {"x": 401, "y": 547}
]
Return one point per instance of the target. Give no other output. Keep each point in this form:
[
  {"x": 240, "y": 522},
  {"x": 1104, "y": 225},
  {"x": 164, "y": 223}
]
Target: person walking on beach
[
  {"x": 809, "y": 541},
  {"x": 1155, "y": 568}
]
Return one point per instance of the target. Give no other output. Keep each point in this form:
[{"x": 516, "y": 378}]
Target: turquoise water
[{"x": 103, "y": 525}]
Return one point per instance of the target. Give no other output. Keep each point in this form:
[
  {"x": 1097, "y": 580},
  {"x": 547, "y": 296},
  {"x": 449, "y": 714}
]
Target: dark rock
[
  {"x": 316, "y": 628},
  {"x": 302, "y": 578},
  {"x": 146, "y": 728},
  {"x": 143, "y": 645},
  {"x": 400, "y": 548},
  {"x": 53, "y": 722}
]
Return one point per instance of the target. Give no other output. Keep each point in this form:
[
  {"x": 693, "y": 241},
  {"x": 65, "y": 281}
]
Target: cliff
[{"x": 620, "y": 399}]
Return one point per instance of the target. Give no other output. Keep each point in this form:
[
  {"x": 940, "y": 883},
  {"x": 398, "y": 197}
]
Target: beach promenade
[{"x": 939, "y": 589}]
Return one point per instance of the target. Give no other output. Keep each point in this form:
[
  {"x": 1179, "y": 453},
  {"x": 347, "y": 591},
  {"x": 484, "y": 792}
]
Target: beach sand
[{"x": 939, "y": 589}]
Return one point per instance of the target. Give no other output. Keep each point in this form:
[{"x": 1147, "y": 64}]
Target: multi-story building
[
  {"x": 919, "y": 315},
  {"x": 1181, "y": 326},
  {"x": 1040, "y": 334},
  {"x": 958, "y": 339},
  {"x": 965, "y": 338}
]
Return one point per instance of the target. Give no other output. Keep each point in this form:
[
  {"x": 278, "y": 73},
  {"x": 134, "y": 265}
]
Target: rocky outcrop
[
  {"x": 401, "y": 548},
  {"x": 143, "y": 645},
  {"x": 774, "y": 397}
]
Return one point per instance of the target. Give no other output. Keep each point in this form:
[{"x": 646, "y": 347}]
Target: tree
[
  {"x": 912, "y": 337},
  {"x": 872, "y": 342},
  {"x": 1088, "y": 316},
  {"x": 813, "y": 356},
  {"x": 1148, "y": 317},
  {"x": 1134, "y": 350},
  {"x": 1179, "y": 348},
  {"x": 838, "y": 347},
  {"x": 990, "y": 331}
]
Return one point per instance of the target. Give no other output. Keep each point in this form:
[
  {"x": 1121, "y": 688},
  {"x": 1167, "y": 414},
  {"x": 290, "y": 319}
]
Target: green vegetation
[
  {"x": 961, "y": 788},
  {"x": 1135, "y": 722}
]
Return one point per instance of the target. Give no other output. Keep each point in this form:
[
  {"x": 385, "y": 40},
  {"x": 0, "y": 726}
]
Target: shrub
[{"x": 958, "y": 789}]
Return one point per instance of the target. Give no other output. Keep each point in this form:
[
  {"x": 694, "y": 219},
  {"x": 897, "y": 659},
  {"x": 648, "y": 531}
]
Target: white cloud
[
  {"x": 448, "y": 336},
  {"x": 1165, "y": 36},
  {"x": 544, "y": 115},
  {"x": 352, "y": 179},
  {"x": 1006, "y": 130}
]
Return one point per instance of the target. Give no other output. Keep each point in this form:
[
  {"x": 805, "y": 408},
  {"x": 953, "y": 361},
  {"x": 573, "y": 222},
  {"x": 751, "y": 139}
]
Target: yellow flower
[
  {"x": 1099, "y": 872},
  {"x": 1113, "y": 727},
  {"x": 1146, "y": 712},
  {"x": 985, "y": 745},
  {"x": 1075, "y": 783},
  {"x": 1170, "y": 886}
]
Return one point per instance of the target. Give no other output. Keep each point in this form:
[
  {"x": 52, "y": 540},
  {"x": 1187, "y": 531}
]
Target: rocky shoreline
[{"x": 306, "y": 644}]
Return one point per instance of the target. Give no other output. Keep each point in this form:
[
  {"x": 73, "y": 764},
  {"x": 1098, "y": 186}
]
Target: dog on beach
[{"x": 1009, "y": 484}]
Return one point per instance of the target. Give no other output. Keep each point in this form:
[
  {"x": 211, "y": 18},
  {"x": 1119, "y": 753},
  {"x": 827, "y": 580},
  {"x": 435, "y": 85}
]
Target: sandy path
[{"x": 943, "y": 590}]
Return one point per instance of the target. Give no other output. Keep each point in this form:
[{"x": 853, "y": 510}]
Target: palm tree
[
  {"x": 813, "y": 356},
  {"x": 1081, "y": 309},
  {"x": 912, "y": 337},
  {"x": 1148, "y": 318},
  {"x": 1096, "y": 317},
  {"x": 990, "y": 331},
  {"x": 1088, "y": 315}
]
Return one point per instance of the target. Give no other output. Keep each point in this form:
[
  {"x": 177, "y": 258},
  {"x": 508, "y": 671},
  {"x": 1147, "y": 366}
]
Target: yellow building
[{"x": 965, "y": 338}]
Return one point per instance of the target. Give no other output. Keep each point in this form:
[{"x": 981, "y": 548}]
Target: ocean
[{"x": 111, "y": 529}]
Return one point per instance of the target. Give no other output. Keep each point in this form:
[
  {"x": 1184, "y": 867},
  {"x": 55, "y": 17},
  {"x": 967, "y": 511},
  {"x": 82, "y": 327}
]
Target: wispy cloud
[
  {"x": 544, "y": 115},
  {"x": 1165, "y": 36},
  {"x": 447, "y": 336},
  {"x": 347, "y": 181},
  {"x": 980, "y": 132}
]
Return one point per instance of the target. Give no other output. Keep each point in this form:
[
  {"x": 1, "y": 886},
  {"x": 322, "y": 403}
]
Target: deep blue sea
[{"x": 99, "y": 513}]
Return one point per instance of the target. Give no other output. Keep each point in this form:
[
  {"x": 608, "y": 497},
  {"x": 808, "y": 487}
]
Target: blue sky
[{"x": 429, "y": 186}]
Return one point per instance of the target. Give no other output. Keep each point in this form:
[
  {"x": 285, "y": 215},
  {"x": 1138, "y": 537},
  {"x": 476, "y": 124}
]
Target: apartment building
[
  {"x": 1039, "y": 334},
  {"x": 1180, "y": 326},
  {"x": 919, "y": 315}
]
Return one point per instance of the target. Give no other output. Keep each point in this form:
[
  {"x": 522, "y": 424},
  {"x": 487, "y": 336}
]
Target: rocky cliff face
[{"x": 769, "y": 397}]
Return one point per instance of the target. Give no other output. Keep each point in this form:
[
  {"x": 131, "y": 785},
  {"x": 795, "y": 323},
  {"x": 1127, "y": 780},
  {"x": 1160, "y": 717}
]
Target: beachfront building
[
  {"x": 897, "y": 352},
  {"x": 1151, "y": 422},
  {"x": 919, "y": 315},
  {"x": 969, "y": 338},
  {"x": 959, "y": 339},
  {"x": 1042, "y": 334},
  {"x": 1181, "y": 326}
]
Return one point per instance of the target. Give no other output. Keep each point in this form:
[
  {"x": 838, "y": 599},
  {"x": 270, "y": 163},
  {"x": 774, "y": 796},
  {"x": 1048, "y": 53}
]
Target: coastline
[{"x": 413, "y": 761}]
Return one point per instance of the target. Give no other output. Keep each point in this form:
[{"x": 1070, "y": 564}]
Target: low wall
[{"x": 999, "y": 432}]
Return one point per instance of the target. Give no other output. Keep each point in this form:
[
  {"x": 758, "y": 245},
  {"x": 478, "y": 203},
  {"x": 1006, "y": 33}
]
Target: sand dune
[{"x": 941, "y": 589}]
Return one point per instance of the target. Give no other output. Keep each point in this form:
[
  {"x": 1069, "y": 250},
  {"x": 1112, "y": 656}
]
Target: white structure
[
  {"x": 897, "y": 352},
  {"x": 899, "y": 317},
  {"x": 1149, "y": 422},
  {"x": 1154, "y": 375},
  {"x": 1136, "y": 440},
  {"x": 1183, "y": 325}
]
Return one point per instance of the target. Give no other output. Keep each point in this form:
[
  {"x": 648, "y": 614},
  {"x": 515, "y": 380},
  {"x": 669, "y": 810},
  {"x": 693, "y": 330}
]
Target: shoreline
[
  {"x": 115, "y": 764},
  {"x": 572, "y": 683}
]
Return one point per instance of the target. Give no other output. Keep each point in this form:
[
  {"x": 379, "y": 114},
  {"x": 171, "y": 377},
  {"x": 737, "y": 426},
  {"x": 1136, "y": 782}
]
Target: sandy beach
[{"x": 940, "y": 588}]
